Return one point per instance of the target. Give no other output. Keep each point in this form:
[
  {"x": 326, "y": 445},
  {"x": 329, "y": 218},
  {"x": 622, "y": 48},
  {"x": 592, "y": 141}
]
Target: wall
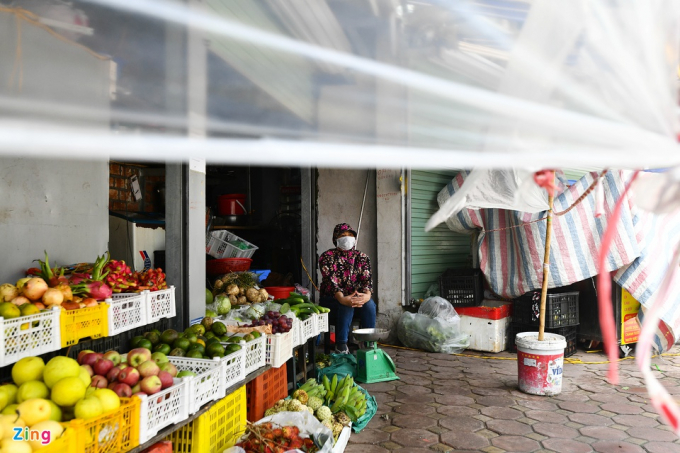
[
  {"x": 339, "y": 197},
  {"x": 56, "y": 205}
]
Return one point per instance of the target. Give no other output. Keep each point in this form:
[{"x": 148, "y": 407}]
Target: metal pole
[
  {"x": 546, "y": 265},
  {"x": 361, "y": 214}
]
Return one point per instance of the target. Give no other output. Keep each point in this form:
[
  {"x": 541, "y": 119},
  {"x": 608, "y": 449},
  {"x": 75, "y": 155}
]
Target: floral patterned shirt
[{"x": 345, "y": 271}]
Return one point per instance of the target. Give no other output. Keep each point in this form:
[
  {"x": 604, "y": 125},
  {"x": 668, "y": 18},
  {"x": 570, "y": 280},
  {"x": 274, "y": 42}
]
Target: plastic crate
[
  {"x": 570, "y": 333},
  {"x": 279, "y": 348},
  {"x": 126, "y": 312},
  {"x": 66, "y": 443},
  {"x": 219, "y": 246},
  {"x": 30, "y": 335},
  {"x": 115, "y": 431},
  {"x": 160, "y": 304},
  {"x": 307, "y": 328},
  {"x": 254, "y": 354},
  {"x": 321, "y": 323},
  {"x": 265, "y": 390},
  {"x": 295, "y": 331},
  {"x": 87, "y": 322},
  {"x": 561, "y": 309},
  {"x": 209, "y": 382},
  {"x": 163, "y": 409},
  {"x": 462, "y": 287},
  {"x": 216, "y": 430}
]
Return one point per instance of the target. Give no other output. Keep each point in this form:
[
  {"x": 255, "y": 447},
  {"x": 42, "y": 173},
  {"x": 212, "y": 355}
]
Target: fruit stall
[{"x": 90, "y": 363}]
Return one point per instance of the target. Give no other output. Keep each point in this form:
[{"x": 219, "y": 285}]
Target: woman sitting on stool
[{"x": 346, "y": 285}]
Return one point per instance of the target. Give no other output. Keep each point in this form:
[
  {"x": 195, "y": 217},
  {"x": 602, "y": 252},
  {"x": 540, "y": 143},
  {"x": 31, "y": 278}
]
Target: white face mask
[{"x": 346, "y": 242}]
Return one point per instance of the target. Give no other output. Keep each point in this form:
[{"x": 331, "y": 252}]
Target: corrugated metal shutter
[{"x": 434, "y": 251}]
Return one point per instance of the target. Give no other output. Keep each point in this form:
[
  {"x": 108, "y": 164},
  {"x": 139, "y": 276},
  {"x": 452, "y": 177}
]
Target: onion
[
  {"x": 19, "y": 301},
  {"x": 66, "y": 291},
  {"x": 35, "y": 288},
  {"x": 8, "y": 292},
  {"x": 90, "y": 302},
  {"x": 52, "y": 297}
]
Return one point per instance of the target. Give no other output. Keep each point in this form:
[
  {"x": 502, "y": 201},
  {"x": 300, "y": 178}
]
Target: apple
[
  {"x": 113, "y": 373},
  {"x": 88, "y": 368},
  {"x": 151, "y": 385},
  {"x": 113, "y": 356},
  {"x": 122, "y": 366},
  {"x": 88, "y": 407},
  {"x": 111, "y": 385},
  {"x": 129, "y": 376},
  {"x": 102, "y": 367},
  {"x": 166, "y": 379},
  {"x": 170, "y": 368},
  {"x": 137, "y": 388},
  {"x": 90, "y": 359},
  {"x": 148, "y": 368},
  {"x": 159, "y": 358},
  {"x": 99, "y": 382},
  {"x": 138, "y": 356},
  {"x": 82, "y": 354},
  {"x": 122, "y": 390}
]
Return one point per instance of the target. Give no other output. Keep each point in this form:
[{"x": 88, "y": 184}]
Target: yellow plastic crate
[
  {"x": 113, "y": 432},
  {"x": 64, "y": 444},
  {"x": 82, "y": 323},
  {"x": 216, "y": 430}
]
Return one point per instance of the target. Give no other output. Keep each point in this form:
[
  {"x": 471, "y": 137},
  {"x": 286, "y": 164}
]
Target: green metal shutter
[{"x": 431, "y": 253}]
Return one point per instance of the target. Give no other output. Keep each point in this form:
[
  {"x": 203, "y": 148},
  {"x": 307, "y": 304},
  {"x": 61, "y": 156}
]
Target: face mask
[{"x": 346, "y": 242}]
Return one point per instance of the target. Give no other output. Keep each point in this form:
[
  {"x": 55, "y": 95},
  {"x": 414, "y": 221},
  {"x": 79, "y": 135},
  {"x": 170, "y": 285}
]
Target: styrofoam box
[
  {"x": 163, "y": 409},
  {"x": 486, "y": 325},
  {"x": 126, "y": 312},
  {"x": 343, "y": 439}
]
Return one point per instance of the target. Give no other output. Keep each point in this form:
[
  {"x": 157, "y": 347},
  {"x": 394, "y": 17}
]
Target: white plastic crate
[
  {"x": 219, "y": 246},
  {"x": 254, "y": 354},
  {"x": 207, "y": 385},
  {"x": 295, "y": 330},
  {"x": 163, "y": 409},
  {"x": 321, "y": 323},
  {"x": 160, "y": 304},
  {"x": 307, "y": 328},
  {"x": 126, "y": 312},
  {"x": 30, "y": 335},
  {"x": 279, "y": 348}
]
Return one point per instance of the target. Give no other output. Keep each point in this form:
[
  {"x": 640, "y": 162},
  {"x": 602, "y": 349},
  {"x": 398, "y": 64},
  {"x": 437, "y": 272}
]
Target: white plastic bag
[
  {"x": 308, "y": 425},
  {"x": 435, "y": 328}
]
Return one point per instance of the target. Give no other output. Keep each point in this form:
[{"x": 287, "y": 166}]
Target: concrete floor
[{"x": 453, "y": 403}]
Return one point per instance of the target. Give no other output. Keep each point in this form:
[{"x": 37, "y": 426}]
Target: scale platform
[{"x": 373, "y": 364}]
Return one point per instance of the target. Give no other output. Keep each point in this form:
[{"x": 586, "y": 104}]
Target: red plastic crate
[{"x": 264, "y": 391}]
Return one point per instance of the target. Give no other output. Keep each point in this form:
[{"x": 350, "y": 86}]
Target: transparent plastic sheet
[
  {"x": 521, "y": 84},
  {"x": 435, "y": 328}
]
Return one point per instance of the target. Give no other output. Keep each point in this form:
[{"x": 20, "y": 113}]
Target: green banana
[
  {"x": 334, "y": 383},
  {"x": 308, "y": 385},
  {"x": 326, "y": 382},
  {"x": 351, "y": 413}
]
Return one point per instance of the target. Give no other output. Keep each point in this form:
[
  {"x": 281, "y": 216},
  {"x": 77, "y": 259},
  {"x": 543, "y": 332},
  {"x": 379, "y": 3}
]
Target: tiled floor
[{"x": 453, "y": 403}]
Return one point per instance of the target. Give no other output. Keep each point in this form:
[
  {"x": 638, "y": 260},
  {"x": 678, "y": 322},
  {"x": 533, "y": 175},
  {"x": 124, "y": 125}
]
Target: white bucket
[{"x": 540, "y": 363}]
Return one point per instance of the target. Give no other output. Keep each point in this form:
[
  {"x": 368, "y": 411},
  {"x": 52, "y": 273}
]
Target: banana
[
  {"x": 334, "y": 383},
  {"x": 326, "y": 382}
]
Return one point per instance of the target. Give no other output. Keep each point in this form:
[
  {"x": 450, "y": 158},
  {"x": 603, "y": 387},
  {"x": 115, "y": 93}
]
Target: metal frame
[
  {"x": 407, "y": 233},
  {"x": 308, "y": 225}
]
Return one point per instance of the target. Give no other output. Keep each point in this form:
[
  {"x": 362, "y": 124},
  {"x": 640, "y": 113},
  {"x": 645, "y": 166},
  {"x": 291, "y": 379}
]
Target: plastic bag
[
  {"x": 435, "y": 328},
  {"x": 341, "y": 364},
  {"x": 438, "y": 307},
  {"x": 308, "y": 425}
]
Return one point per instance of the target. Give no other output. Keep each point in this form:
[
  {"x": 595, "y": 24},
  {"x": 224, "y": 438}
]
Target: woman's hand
[
  {"x": 344, "y": 300},
  {"x": 359, "y": 299}
]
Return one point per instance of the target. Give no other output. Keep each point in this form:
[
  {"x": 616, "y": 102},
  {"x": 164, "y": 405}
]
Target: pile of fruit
[
  {"x": 200, "y": 341},
  {"x": 344, "y": 396},
  {"x": 121, "y": 279},
  {"x": 310, "y": 397},
  {"x": 138, "y": 373},
  {"x": 280, "y": 323},
  {"x": 267, "y": 437},
  {"x": 240, "y": 288}
]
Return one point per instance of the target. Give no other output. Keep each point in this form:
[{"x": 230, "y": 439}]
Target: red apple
[
  {"x": 166, "y": 379},
  {"x": 170, "y": 368},
  {"x": 90, "y": 359},
  {"x": 102, "y": 367},
  {"x": 88, "y": 368},
  {"x": 99, "y": 382},
  {"x": 113, "y": 373},
  {"x": 129, "y": 376},
  {"x": 151, "y": 385},
  {"x": 137, "y": 388},
  {"x": 111, "y": 385},
  {"x": 148, "y": 368},
  {"x": 138, "y": 356},
  {"x": 122, "y": 366},
  {"x": 83, "y": 353},
  {"x": 113, "y": 356},
  {"x": 122, "y": 390}
]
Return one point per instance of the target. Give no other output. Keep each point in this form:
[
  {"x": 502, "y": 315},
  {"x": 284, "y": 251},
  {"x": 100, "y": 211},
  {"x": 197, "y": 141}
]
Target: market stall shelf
[{"x": 30, "y": 335}]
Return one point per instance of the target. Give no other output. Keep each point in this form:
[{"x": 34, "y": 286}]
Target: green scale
[{"x": 373, "y": 364}]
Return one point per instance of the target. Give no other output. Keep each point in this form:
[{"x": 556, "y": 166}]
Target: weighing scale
[{"x": 373, "y": 364}]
